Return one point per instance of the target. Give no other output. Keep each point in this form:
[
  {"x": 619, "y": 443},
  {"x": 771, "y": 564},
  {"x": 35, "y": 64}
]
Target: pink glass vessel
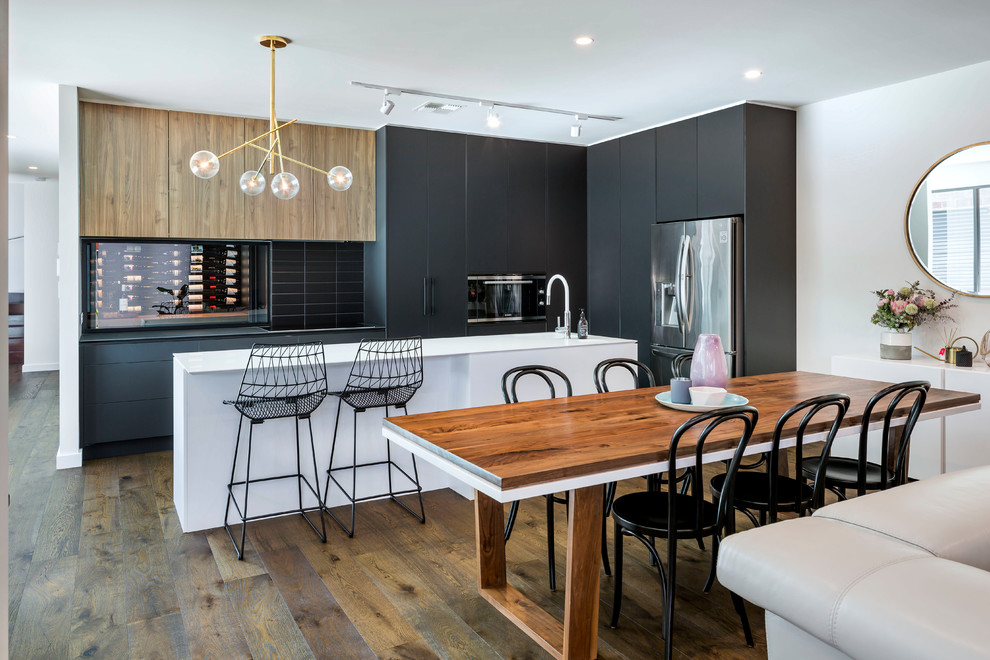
[{"x": 708, "y": 367}]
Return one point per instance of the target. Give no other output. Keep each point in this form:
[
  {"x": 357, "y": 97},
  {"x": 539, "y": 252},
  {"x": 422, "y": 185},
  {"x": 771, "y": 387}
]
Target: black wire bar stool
[
  {"x": 675, "y": 516},
  {"x": 279, "y": 381},
  {"x": 385, "y": 372},
  {"x": 510, "y": 395}
]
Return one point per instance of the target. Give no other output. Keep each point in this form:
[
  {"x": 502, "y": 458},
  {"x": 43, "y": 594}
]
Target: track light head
[
  {"x": 493, "y": 120},
  {"x": 387, "y": 105},
  {"x": 576, "y": 130}
]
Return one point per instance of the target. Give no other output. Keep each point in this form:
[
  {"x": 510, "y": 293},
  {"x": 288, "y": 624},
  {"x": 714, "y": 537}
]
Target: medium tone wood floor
[{"x": 99, "y": 568}]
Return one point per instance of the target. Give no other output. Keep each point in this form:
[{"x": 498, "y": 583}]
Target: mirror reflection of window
[{"x": 948, "y": 221}]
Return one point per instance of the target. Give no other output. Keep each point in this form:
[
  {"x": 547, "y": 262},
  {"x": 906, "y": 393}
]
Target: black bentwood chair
[
  {"x": 676, "y": 516},
  {"x": 279, "y": 381},
  {"x": 385, "y": 372},
  {"x": 770, "y": 492},
  {"x": 634, "y": 368},
  {"x": 859, "y": 473},
  {"x": 509, "y": 381}
]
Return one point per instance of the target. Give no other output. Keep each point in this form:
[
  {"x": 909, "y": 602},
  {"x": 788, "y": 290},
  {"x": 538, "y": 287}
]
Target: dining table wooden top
[{"x": 529, "y": 443}]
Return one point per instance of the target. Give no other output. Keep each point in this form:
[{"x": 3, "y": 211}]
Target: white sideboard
[{"x": 938, "y": 445}]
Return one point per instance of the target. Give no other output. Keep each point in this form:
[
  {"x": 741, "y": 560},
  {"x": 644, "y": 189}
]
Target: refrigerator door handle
[
  {"x": 677, "y": 287},
  {"x": 685, "y": 268}
]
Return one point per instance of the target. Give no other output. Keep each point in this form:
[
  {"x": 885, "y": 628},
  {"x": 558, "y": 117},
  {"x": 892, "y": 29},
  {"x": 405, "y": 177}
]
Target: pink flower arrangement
[{"x": 909, "y": 307}]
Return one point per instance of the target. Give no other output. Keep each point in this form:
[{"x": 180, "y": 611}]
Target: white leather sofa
[{"x": 903, "y": 573}]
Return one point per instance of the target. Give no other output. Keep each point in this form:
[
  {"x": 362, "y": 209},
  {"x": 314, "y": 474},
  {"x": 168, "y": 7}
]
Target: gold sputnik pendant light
[{"x": 285, "y": 185}]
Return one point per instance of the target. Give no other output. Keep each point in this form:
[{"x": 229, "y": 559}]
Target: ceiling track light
[
  {"x": 576, "y": 128},
  {"x": 387, "y": 104},
  {"x": 205, "y": 164},
  {"x": 485, "y": 103}
]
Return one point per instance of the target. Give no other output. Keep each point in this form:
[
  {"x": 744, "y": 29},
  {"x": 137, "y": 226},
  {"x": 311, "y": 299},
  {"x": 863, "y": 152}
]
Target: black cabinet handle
[
  {"x": 433, "y": 297},
  {"x": 424, "y": 296}
]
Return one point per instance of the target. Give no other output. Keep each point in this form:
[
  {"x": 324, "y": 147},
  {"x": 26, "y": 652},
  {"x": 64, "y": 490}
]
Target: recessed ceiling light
[
  {"x": 753, "y": 74},
  {"x": 584, "y": 41},
  {"x": 32, "y": 167}
]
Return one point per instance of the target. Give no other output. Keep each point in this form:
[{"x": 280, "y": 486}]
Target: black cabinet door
[
  {"x": 567, "y": 230},
  {"x": 527, "y": 207},
  {"x": 637, "y": 204},
  {"x": 721, "y": 163},
  {"x": 407, "y": 275},
  {"x": 603, "y": 238},
  {"x": 487, "y": 188},
  {"x": 447, "y": 272},
  {"x": 677, "y": 171}
]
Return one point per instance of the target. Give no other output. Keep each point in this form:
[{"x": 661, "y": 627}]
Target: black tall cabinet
[
  {"x": 450, "y": 205},
  {"x": 740, "y": 161}
]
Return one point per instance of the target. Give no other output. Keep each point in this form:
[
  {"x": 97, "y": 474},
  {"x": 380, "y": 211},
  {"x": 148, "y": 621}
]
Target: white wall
[
  {"x": 69, "y": 305},
  {"x": 859, "y": 158},
  {"x": 40, "y": 277},
  {"x": 15, "y": 237}
]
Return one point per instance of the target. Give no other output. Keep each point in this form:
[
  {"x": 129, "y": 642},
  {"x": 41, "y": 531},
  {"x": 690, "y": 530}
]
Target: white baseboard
[
  {"x": 41, "y": 366},
  {"x": 68, "y": 460}
]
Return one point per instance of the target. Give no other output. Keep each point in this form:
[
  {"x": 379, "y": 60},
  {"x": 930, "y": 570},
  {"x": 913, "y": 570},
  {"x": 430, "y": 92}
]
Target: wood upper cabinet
[
  {"x": 267, "y": 216},
  {"x": 135, "y": 179},
  {"x": 123, "y": 173},
  {"x": 347, "y": 215},
  {"x": 210, "y": 208}
]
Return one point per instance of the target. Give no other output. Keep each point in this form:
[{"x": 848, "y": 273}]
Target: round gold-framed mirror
[{"x": 947, "y": 221}]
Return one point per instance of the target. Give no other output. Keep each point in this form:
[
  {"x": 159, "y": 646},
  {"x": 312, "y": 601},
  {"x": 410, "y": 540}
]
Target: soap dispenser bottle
[{"x": 582, "y": 326}]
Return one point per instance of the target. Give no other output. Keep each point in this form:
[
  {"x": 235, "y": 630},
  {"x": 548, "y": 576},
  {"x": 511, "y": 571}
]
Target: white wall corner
[
  {"x": 69, "y": 460},
  {"x": 40, "y": 366},
  {"x": 69, "y": 303}
]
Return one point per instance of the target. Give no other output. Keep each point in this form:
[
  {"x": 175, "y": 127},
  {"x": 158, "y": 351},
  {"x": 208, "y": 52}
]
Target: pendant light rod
[
  {"x": 487, "y": 102},
  {"x": 297, "y": 162},
  {"x": 251, "y": 142}
]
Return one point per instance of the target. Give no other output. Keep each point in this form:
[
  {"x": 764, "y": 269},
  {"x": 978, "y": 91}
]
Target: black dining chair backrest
[
  {"x": 682, "y": 365},
  {"x": 811, "y": 409},
  {"x": 511, "y": 378},
  {"x": 748, "y": 416},
  {"x": 898, "y": 393},
  {"x": 634, "y": 367}
]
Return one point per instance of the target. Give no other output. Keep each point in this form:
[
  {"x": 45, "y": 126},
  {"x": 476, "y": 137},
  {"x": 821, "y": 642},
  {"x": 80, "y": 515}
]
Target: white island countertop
[
  {"x": 234, "y": 360},
  {"x": 458, "y": 372}
]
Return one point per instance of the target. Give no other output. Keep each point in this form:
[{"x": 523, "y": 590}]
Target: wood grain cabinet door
[
  {"x": 205, "y": 208},
  {"x": 267, "y": 216},
  {"x": 123, "y": 171},
  {"x": 347, "y": 215}
]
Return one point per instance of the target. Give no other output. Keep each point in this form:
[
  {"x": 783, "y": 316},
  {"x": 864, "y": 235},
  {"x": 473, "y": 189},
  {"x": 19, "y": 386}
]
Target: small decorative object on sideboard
[
  {"x": 985, "y": 348},
  {"x": 900, "y": 312},
  {"x": 708, "y": 367},
  {"x": 950, "y": 353}
]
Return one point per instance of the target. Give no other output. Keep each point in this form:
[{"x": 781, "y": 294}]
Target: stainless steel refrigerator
[{"x": 696, "y": 270}]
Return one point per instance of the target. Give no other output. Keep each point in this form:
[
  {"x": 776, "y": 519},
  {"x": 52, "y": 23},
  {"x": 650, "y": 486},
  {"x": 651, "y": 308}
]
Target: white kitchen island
[{"x": 458, "y": 372}]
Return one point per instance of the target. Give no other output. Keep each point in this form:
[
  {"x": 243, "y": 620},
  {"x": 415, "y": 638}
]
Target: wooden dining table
[{"x": 577, "y": 444}]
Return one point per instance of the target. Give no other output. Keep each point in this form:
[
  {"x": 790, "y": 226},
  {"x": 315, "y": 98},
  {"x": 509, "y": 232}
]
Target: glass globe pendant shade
[
  {"x": 204, "y": 164},
  {"x": 285, "y": 185},
  {"x": 252, "y": 183},
  {"x": 340, "y": 178}
]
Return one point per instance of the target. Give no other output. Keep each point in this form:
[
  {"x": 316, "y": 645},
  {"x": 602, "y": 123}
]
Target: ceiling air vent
[{"x": 438, "y": 108}]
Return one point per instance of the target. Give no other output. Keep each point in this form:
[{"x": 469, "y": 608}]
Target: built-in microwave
[{"x": 494, "y": 298}]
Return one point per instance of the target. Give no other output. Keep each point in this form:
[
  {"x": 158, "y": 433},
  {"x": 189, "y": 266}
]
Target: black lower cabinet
[{"x": 126, "y": 386}]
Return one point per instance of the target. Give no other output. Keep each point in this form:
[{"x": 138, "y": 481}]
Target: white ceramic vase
[{"x": 895, "y": 345}]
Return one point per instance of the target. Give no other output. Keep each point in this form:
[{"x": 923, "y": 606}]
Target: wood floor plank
[
  {"x": 98, "y": 625},
  {"x": 133, "y": 471},
  {"x": 58, "y": 535},
  {"x": 382, "y": 626},
  {"x": 160, "y": 475},
  {"x": 448, "y": 635},
  {"x": 231, "y": 568},
  {"x": 160, "y": 638},
  {"x": 320, "y": 618},
  {"x": 148, "y": 588},
  {"x": 212, "y": 627},
  {"x": 45, "y": 610},
  {"x": 268, "y": 626}
]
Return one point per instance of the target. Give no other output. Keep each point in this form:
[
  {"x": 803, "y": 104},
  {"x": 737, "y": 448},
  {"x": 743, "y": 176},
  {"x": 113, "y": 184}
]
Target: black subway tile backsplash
[{"x": 317, "y": 285}]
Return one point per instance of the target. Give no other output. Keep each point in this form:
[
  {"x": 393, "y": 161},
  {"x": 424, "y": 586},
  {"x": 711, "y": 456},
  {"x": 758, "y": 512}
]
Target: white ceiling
[{"x": 653, "y": 61}]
